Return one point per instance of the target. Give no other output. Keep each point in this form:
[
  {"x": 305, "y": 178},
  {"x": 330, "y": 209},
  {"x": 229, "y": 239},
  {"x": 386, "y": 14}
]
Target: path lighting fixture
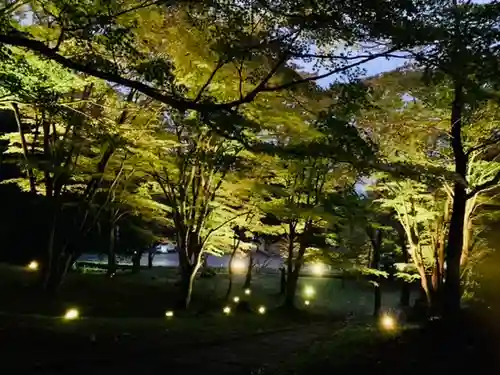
[
  {"x": 33, "y": 265},
  {"x": 309, "y": 291},
  {"x": 388, "y": 322},
  {"x": 307, "y": 302},
  {"x": 169, "y": 314},
  {"x": 236, "y": 299},
  {"x": 71, "y": 314},
  {"x": 227, "y": 310},
  {"x": 262, "y": 310},
  {"x": 248, "y": 292}
]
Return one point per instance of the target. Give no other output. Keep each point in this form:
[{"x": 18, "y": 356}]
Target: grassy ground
[
  {"x": 124, "y": 329},
  {"x": 151, "y": 292}
]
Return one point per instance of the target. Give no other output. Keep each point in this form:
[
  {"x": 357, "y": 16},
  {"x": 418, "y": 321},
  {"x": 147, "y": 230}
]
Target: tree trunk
[
  {"x": 136, "y": 261},
  {"x": 111, "y": 253},
  {"x": 291, "y": 290},
  {"x": 376, "y": 240},
  {"x": 248, "y": 277},
  {"x": 404, "y": 298},
  {"x": 282, "y": 280},
  {"x": 452, "y": 288},
  {"x": 151, "y": 256},
  {"x": 230, "y": 272},
  {"x": 187, "y": 280}
]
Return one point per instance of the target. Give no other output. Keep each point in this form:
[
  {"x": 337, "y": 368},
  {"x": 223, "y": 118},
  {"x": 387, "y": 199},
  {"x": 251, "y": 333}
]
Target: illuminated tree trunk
[
  {"x": 452, "y": 287},
  {"x": 248, "y": 276}
]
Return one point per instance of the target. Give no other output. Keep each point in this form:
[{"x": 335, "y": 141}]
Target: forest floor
[
  {"x": 110, "y": 338},
  {"x": 318, "y": 347}
]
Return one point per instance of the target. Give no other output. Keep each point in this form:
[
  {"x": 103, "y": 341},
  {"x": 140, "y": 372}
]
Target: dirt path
[{"x": 245, "y": 356}]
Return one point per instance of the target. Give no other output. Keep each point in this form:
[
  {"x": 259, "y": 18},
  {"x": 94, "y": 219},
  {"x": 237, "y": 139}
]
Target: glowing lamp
[
  {"x": 236, "y": 299},
  {"x": 169, "y": 314},
  {"x": 226, "y": 310},
  {"x": 71, "y": 314},
  {"x": 248, "y": 292},
  {"x": 307, "y": 302},
  {"x": 33, "y": 265},
  {"x": 309, "y": 291},
  {"x": 318, "y": 269},
  {"x": 262, "y": 310},
  {"x": 238, "y": 265},
  {"x": 388, "y": 322}
]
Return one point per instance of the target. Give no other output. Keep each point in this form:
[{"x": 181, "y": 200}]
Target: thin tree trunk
[
  {"x": 111, "y": 253},
  {"x": 151, "y": 256},
  {"x": 248, "y": 276},
  {"x": 24, "y": 145},
  {"x": 376, "y": 240},
  {"x": 230, "y": 272},
  {"x": 282, "y": 280},
  {"x": 404, "y": 298}
]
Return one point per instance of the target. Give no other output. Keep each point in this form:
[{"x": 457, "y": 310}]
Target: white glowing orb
[
  {"x": 226, "y": 310},
  {"x": 388, "y": 322},
  {"x": 262, "y": 310},
  {"x": 309, "y": 291},
  {"x": 248, "y": 292},
  {"x": 72, "y": 314},
  {"x": 236, "y": 299},
  {"x": 307, "y": 303},
  {"x": 318, "y": 269},
  {"x": 169, "y": 314},
  {"x": 33, "y": 265},
  {"x": 238, "y": 265}
]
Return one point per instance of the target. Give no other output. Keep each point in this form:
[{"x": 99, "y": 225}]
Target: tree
[
  {"x": 112, "y": 42},
  {"x": 415, "y": 115}
]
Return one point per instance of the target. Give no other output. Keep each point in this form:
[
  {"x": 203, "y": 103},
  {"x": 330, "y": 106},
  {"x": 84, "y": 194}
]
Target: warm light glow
[
  {"x": 227, "y": 310},
  {"x": 33, "y": 265},
  {"x": 318, "y": 269},
  {"x": 169, "y": 314},
  {"x": 248, "y": 292},
  {"x": 388, "y": 322},
  {"x": 236, "y": 299},
  {"x": 238, "y": 265},
  {"x": 72, "y": 314},
  {"x": 309, "y": 291},
  {"x": 262, "y": 310},
  {"x": 306, "y": 302}
]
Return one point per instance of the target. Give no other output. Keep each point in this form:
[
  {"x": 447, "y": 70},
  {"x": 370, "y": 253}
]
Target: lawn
[{"x": 150, "y": 293}]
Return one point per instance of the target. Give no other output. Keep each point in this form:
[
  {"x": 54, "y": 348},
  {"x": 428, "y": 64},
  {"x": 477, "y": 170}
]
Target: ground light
[
  {"x": 169, "y": 314},
  {"x": 71, "y": 314},
  {"x": 307, "y": 302},
  {"x": 236, "y": 299},
  {"x": 388, "y": 322},
  {"x": 309, "y": 291},
  {"x": 262, "y": 310},
  {"x": 248, "y": 292},
  {"x": 33, "y": 265},
  {"x": 318, "y": 269},
  {"x": 226, "y": 310}
]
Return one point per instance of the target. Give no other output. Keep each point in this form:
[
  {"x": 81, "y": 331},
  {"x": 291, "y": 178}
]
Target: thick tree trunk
[
  {"x": 452, "y": 288},
  {"x": 248, "y": 276}
]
